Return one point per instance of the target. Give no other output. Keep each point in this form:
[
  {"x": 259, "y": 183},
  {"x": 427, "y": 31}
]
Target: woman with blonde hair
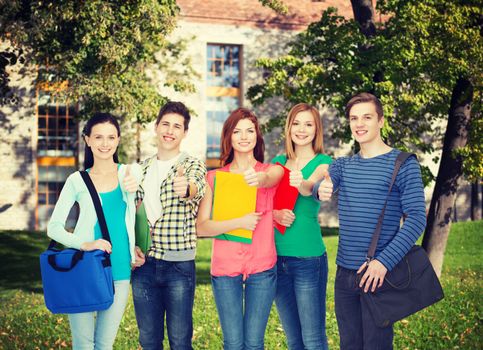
[{"x": 301, "y": 255}]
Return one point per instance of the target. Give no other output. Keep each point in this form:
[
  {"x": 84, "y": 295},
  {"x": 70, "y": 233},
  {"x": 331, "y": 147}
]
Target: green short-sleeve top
[{"x": 303, "y": 238}]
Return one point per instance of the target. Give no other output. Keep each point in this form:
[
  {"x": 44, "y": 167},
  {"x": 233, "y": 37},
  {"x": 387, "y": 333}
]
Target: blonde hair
[{"x": 317, "y": 142}]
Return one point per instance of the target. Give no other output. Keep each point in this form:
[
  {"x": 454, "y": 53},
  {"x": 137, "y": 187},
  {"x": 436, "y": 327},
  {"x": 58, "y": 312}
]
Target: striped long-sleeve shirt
[{"x": 362, "y": 185}]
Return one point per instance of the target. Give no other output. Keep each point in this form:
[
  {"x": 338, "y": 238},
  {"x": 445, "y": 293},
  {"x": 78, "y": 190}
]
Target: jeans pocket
[{"x": 186, "y": 268}]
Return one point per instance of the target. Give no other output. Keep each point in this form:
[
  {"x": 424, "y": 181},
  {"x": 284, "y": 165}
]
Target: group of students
[{"x": 290, "y": 268}]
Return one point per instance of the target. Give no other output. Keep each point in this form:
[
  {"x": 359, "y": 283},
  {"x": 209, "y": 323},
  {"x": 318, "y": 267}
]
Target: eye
[
  {"x": 309, "y": 125},
  {"x": 98, "y": 137},
  {"x": 352, "y": 119},
  {"x": 177, "y": 126},
  {"x": 251, "y": 131},
  {"x": 236, "y": 132},
  {"x": 295, "y": 123}
]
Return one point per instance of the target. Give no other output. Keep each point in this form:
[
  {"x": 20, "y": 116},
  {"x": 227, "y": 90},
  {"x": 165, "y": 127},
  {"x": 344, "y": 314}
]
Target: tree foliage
[
  {"x": 412, "y": 64},
  {"x": 101, "y": 48}
]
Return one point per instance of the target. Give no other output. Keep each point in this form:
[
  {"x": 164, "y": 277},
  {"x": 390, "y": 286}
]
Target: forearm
[
  {"x": 271, "y": 177},
  {"x": 210, "y": 228},
  {"x": 400, "y": 245},
  {"x": 306, "y": 187}
]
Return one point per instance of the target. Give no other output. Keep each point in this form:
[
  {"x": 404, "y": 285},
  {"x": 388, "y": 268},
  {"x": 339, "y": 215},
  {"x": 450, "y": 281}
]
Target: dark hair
[
  {"x": 98, "y": 118},
  {"x": 177, "y": 108},
  {"x": 226, "y": 155},
  {"x": 364, "y": 97}
]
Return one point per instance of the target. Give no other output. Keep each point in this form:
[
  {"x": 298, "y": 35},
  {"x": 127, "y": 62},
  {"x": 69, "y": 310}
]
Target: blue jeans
[
  {"x": 164, "y": 287},
  {"x": 244, "y": 327},
  {"x": 98, "y": 330},
  {"x": 357, "y": 330},
  {"x": 300, "y": 299}
]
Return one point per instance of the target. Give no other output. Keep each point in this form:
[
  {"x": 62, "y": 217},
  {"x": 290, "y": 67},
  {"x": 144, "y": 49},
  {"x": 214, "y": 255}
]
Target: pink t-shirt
[{"x": 234, "y": 258}]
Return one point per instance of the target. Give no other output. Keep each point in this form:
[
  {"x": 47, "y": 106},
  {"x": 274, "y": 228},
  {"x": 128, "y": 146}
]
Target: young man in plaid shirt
[{"x": 172, "y": 186}]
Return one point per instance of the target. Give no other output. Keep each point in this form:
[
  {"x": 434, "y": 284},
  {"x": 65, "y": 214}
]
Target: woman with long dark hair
[
  {"x": 115, "y": 184},
  {"x": 243, "y": 275}
]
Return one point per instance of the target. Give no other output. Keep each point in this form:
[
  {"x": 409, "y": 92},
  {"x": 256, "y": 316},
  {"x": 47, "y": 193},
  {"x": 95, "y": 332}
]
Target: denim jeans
[
  {"x": 164, "y": 287},
  {"x": 244, "y": 312},
  {"x": 97, "y": 330},
  {"x": 357, "y": 330},
  {"x": 300, "y": 300}
]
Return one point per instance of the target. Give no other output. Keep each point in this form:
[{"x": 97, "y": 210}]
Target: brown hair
[
  {"x": 226, "y": 155},
  {"x": 317, "y": 142},
  {"x": 364, "y": 97},
  {"x": 176, "y": 108}
]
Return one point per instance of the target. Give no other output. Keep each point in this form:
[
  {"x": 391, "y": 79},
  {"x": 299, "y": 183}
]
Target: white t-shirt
[{"x": 155, "y": 175}]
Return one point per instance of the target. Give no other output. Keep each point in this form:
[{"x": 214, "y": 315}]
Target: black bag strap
[
  {"x": 401, "y": 158},
  {"x": 97, "y": 205}
]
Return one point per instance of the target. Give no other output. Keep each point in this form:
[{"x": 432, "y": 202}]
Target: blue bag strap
[{"x": 401, "y": 158}]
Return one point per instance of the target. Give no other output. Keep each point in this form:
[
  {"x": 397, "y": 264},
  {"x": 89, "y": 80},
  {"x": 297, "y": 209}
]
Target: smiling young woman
[
  {"x": 115, "y": 184},
  {"x": 243, "y": 276},
  {"x": 301, "y": 256}
]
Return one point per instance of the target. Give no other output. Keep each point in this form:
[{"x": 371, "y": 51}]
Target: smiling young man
[
  {"x": 172, "y": 186},
  {"x": 362, "y": 182}
]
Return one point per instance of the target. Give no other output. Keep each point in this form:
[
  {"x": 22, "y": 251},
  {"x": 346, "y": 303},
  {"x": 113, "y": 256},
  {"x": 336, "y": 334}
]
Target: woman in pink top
[{"x": 243, "y": 276}]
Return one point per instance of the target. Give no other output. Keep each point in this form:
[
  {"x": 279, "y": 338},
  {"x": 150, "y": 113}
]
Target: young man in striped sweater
[{"x": 362, "y": 181}]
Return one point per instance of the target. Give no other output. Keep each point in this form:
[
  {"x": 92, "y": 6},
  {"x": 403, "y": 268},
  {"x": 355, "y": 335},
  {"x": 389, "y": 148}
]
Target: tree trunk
[
  {"x": 475, "y": 199},
  {"x": 138, "y": 142},
  {"x": 449, "y": 174},
  {"x": 364, "y": 15}
]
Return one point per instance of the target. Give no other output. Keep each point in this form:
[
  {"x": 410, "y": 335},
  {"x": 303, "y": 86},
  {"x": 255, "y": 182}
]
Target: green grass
[{"x": 454, "y": 323}]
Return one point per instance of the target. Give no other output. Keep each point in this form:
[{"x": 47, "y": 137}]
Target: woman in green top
[{"x": 302, "y": 260}]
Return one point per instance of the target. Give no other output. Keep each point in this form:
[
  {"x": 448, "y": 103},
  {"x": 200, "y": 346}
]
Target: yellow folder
[{"x": 233, "y": 198}]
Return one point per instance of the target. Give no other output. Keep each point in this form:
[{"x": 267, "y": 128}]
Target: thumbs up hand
[
  {"x": 251, "y": 177},
  {"x": 326, "y": 188},
  {"x": 296, "y": 177},
  {"x": 129, "y": 182},
  {"x": 180, "y": 183}
]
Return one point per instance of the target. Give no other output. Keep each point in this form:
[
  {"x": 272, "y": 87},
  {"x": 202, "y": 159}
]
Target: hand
[
  {"x": 284, "y": 217},
  {"x": 251, "y": 177},
  {"x": 140, "y": 258},
  {"x": 129, "y": 182},
  {"x": 100, "y": 244},
  {"x": 326, "y": 188},
  {"x": 180, "y": 183},
  {"x": 295, "y": 176},
  {"x": 250, "y": 221},
  {"x": 374, "y": 275}
]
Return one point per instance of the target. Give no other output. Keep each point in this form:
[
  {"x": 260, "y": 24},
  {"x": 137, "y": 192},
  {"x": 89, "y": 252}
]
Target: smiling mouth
[
  {"x": 168, "y": 138},
  {"x": 361, "y": 132},
  {"x": 244, "y": 144}
]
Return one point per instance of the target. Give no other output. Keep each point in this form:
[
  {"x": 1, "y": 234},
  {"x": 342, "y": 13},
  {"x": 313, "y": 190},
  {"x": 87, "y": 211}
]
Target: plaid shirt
[{"x": 175, "y": 229}]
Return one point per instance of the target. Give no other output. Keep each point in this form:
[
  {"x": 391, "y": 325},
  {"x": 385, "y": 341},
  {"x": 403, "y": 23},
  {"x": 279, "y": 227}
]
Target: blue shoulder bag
[{"x": 77, "y": 281}]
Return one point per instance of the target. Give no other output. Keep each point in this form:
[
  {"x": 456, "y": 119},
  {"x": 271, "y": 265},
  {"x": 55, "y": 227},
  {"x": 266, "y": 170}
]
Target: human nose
[{"x": 244, "y": 135}]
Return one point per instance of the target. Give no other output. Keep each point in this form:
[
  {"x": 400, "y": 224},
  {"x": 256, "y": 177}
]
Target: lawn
[{"x": 454, "y": 323}]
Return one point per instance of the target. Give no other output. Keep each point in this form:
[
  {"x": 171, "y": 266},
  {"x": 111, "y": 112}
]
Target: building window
[
  {"x": 57, "y": 128},
  {"x": 57, "y": 152},
  {"x": 223, "y": 93}
]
